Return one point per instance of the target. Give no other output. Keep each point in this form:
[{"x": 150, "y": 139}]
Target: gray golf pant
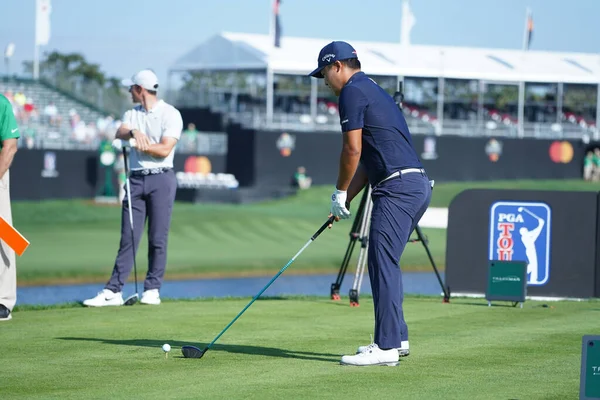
[{"x": 152, "y": 198}]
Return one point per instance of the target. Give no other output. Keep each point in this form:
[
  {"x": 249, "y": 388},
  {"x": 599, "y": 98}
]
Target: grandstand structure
[
  {"x": 448, "y": 90},
  {"x": 74, "y": 124}
]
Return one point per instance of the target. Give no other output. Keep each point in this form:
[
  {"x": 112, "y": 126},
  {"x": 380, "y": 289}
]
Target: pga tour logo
[{"x": 520, "y": 231}]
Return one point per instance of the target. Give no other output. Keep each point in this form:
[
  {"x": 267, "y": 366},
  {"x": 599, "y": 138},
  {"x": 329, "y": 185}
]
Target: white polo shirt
[{"x": 163, "y": 120}]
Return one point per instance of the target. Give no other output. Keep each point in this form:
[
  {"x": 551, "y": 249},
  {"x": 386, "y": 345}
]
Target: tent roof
[{"x": 243, "y": 51}]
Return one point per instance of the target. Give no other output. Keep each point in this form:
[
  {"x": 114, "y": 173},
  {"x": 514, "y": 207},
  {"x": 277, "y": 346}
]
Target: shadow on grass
[
  {"x": 230, "y": 348},
  {"x": 462, "y": 303},
  {"x": 505, "y": 304}
]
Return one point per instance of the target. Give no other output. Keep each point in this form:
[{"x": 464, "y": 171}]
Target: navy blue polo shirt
[{"x": 386, "y": 142}]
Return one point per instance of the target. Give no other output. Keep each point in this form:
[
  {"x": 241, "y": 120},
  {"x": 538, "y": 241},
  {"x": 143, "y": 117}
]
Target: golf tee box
[
  {"x": 507, "y": 281},
  {"x": 589, "y": 380},
  {"x": 12, "y": 237}
]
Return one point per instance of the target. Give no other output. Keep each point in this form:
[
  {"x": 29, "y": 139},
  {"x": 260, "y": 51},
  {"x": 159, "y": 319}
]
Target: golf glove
[{"x": 338, "y": 204}]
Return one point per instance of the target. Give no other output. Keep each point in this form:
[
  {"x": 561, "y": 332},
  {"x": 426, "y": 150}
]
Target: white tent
[{"x": 298, "y": 56}]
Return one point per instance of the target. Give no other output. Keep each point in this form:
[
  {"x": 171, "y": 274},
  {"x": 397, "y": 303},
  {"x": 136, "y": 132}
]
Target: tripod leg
[
  {"x": 335, "y": 287},
  {"x": 354, "y": 234},
  {"x": 362, "y": 258},
  {"x": 422, "y": 239}
]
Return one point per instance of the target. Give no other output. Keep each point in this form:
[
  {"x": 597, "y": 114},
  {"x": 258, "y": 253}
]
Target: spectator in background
[
  {"x": 101, "y": 125},
  {"x": 121, "y": 175},
  {"x": 588, "y": 166},
  {"x": 51, "y": 114},
  {"x": 189, "y": 137},
  {"x": 80, "y": 132},
  {"x": 300, "y": 180},
  {"x": 29, "y": 137},
  {"x": 29, "y": 110},
  {"x": 20, "y": 99},
  {"x": 9, "y": 96},
  {"x": 596, "y": 169},
  {"x": 73, "y": 117}
]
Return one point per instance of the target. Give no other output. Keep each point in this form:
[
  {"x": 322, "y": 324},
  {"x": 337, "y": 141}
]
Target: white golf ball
[{"x": 166, "y": 347}]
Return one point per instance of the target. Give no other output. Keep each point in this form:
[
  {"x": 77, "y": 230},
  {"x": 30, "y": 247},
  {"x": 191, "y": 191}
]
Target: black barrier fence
[
  {"x": 555, "y": 232},
  {"x": 270, "y": 158},
  {"x": 67, "y": 174},
  {"x": 203, "y": 118}
]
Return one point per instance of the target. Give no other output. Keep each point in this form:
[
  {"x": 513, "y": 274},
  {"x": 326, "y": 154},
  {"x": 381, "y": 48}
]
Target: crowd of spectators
[{"x": 38, "y": 120}]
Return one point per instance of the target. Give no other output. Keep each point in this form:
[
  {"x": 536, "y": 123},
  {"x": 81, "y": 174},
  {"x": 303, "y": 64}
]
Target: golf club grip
[
  {"x": 329, "y": 221},
  {"x": 125, "y": 160}
]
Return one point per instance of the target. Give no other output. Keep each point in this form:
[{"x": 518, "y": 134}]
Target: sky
[{"x": 124, "y": 36}]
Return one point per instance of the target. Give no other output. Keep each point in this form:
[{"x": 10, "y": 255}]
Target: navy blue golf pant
[
  {"x": 152, "y": 198},
  {"x": 398, "y": 205}
]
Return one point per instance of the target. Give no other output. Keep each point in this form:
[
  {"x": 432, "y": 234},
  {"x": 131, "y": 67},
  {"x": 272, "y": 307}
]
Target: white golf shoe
[
  {"x": 402, "y": 352},
  {"x": 105, "y": 298},
  {"x": 373, "y": 355},
  {"x": 150, "y": 297}
]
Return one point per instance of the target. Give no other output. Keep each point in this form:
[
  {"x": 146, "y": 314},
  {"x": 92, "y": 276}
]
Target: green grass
[
  {"x": 290, "y": 349},
  {"x": 77, "y": 241}
]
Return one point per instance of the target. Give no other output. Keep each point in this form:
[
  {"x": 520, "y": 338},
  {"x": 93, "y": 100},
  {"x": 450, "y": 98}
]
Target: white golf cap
[{"x": 145, "y": 78}]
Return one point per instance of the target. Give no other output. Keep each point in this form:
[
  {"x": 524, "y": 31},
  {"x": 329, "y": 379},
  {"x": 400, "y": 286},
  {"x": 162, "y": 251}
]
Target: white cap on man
[{"x": 145, "y": 78}]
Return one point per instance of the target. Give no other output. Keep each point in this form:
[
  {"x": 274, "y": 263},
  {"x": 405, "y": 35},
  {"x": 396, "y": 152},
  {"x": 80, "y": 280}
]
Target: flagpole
[
  {"x": 526, "y": 29},
  {"x": 271, "y": 21},
  {"x": 36, "y": 49},
  {"x": 521, "y": 100},
  {"x": 36, "y": 62}
]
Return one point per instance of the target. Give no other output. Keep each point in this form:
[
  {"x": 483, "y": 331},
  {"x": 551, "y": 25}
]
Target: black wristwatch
[{"x": 131, "y": 133}]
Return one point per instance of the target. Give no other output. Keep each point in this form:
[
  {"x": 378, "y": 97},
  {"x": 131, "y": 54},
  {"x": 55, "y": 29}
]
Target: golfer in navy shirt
[{"x": 377, "y": 150}]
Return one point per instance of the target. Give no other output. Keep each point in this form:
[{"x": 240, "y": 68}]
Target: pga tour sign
[{"x": 520, "y": 231}]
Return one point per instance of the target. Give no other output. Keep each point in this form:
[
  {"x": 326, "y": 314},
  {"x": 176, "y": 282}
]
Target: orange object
[{"x": 12, "y": 237}]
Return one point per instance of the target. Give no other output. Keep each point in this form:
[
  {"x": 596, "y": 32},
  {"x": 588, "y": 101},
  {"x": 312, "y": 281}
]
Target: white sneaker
[
  {"x": 150, "y": 297},
  {"x": 105, "y": 298},
  {"x": 373, "y": 355}
]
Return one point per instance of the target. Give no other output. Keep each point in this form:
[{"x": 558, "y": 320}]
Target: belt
[
  {"x": 149, "y": 171},
  {"x": 402, "y": 172}
]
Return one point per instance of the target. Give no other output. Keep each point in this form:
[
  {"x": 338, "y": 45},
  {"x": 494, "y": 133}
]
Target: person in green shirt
[
  {"x": 588, "y": 166},
  {"x": 596, "y": 165},
  {"x": 189, "y": 137},
  {"x": 107, "y": 158},
  {"x": 300, "y": 180},
  {"x": 9, "y": 133}
]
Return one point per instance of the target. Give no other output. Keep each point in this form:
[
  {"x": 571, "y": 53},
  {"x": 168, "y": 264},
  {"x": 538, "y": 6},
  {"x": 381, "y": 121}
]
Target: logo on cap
[{"x": 328, "y": 57}]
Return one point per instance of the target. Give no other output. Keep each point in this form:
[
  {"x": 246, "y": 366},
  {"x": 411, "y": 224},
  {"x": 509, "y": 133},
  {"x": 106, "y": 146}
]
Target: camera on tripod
[{"x": 399, "y": 96}]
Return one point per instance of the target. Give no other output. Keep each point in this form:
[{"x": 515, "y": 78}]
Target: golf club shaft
[
  {"x": 321, "y": 229},
  {"x": 128, "y": 187}
]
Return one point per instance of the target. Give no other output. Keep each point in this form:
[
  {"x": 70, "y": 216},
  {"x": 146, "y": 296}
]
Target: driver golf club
[
  {"x": 195, "y": 352},
  {"x": 131, "y": 300}
]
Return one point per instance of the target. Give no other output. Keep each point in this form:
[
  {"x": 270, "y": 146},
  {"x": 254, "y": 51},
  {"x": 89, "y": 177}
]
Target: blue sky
[{"x": 124, "y": 36}]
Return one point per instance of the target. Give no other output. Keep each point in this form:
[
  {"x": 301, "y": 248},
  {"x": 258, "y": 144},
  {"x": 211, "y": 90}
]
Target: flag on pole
[
  {"x": 528, "y": 30},
  {"x": 42, "y": 22},
  {"x": 277, "y": 39},
  {"x": 407, "y": 22}
]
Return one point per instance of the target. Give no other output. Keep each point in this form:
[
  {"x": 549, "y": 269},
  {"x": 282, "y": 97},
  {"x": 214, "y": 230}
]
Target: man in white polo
[{"x": 156, "y": 127}]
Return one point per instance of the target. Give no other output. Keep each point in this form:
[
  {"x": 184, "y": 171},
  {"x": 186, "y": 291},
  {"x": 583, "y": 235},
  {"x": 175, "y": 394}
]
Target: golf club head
[
  {"x": 131, "y": 300},
  {"x": 192, "y": 352}
]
